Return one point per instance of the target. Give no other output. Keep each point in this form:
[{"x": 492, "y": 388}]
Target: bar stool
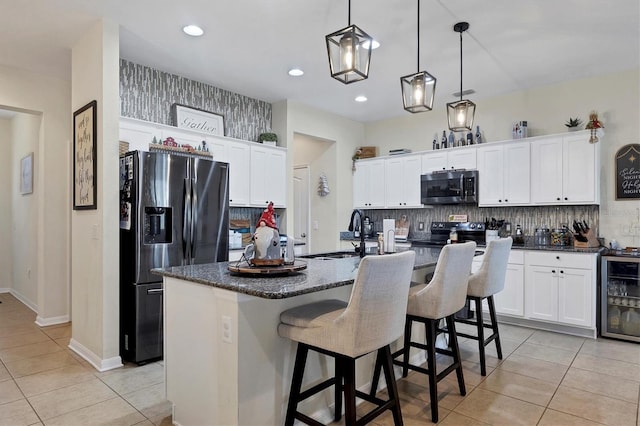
[
  {"x": 428, "y": 304},
  {"x": 371, "y": 321},
  {"x": 486, "y": 282}
]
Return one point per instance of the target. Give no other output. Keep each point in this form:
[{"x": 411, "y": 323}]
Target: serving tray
[{"x": 242, "y": 267}]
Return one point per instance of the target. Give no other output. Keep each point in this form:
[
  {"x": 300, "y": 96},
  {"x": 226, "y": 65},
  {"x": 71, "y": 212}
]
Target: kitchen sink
[{"x": 330, "y": 255}]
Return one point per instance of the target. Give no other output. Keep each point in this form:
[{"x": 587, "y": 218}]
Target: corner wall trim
[
  {"x": 44, "y": 322},
  {"x": 93, "y": 359}
]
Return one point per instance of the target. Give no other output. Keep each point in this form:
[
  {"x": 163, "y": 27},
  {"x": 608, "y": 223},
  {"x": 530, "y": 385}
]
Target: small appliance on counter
[{"x": 367, "y": 226}]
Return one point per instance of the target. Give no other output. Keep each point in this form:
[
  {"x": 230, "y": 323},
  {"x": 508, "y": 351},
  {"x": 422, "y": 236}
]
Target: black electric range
[{"x": 467, "y": 231}]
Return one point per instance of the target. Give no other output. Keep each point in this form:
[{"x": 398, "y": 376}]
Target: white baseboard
[
  {"x": 93, "y": 359},
  {"x": 44, "y": 322},
  {"x": 24, "y": 300},
  {"x": 5, "y": 290}
]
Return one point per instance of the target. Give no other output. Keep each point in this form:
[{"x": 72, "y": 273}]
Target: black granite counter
[{"x": 319, "y": 275}]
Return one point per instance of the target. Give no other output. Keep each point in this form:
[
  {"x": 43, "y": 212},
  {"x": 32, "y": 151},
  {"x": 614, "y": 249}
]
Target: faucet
[{"x": 360, "y": 214}]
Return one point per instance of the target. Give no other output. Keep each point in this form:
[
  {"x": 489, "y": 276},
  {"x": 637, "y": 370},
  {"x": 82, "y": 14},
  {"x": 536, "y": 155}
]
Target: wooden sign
[
  {"x": 190, "y": 118},
  {"x": 628, "y": 172}
]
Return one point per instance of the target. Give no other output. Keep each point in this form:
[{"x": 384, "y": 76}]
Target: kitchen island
[{"x": 224, "y": 361}]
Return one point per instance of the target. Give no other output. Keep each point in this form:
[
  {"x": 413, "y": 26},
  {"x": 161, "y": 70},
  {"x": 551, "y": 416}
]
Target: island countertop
[{"x": 319, "y": 275}]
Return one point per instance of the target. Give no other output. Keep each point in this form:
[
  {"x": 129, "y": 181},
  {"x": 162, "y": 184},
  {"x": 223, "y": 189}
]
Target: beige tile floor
[{"x": 544, "y": 379}]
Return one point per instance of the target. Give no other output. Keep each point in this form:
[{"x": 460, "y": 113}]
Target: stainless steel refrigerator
[{"x": 174, "y": 211}]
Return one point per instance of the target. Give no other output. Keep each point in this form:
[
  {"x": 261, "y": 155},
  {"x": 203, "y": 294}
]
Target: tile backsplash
[{"x": 529, "y": 218}]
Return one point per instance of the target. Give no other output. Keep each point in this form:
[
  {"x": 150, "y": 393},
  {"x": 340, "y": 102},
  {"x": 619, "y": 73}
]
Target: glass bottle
[
  {"x": 443, "y": 141},
  {"x": 452, "y": 140},
  {"x": 478, "y": 135},
  {"x": 435, "y": 142},
  {"x": 613, "y": 319},
  {"x": 380, "y": 243},
  {"x": 469, "y": 138}
]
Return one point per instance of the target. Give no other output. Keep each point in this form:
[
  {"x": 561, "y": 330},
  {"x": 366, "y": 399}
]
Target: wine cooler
[{"x": 620, "y": 297}]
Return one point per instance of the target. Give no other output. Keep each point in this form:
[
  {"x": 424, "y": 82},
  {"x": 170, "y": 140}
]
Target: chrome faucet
[{"x": 360, "y": 214}]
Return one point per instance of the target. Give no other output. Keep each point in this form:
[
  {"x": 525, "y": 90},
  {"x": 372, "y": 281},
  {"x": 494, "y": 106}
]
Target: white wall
[
  {"x": 6, "y": 186},
  {"x": 25, "y": 134},
  {"x": 615, "y": 97},
  {"x": 95, "y": 236},
  {"x": 28, "y": 92},
  {"x": 289, "y": 118}
]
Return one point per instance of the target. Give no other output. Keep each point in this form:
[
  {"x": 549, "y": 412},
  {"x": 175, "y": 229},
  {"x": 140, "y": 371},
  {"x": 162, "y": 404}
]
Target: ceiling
[{"x": 249, "y": 45}]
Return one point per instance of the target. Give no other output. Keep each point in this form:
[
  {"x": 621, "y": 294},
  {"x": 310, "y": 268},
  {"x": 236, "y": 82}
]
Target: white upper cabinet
[
  {"x": 449, "y": 159},
  {"x": 564, "y": 170},
  {"x": 268, "y": 176},
  {"x": 504, "y": 174},
  {"x": 139, "y": 134},
  {"x": 369, "y": 184},
  {"x": 257, "y": 172},
  {"x": 402, "y": 181}
]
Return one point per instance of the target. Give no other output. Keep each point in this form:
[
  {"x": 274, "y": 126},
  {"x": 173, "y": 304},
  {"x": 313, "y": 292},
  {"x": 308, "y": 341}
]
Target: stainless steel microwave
[{"x": 449, "y": 187}]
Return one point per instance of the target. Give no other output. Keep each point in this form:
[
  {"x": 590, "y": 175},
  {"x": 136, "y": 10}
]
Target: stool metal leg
[
  {"x": 494, "y": 325},
  {"x": 339, "y": 367},
  {"x": 483, "y": 366},
  {"x": 430, "y": 327},
  {"x": 455, "y": 349},
  {"x": 387, "y": 363},
  {"x": 349, "y": 371},
  {"x": 296, "y": 383},
  {"x": 407, "y": 346}
]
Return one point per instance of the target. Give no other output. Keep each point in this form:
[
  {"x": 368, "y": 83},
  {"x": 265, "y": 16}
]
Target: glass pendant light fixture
[
  {"x": 460, "y": 113},
  {"x": 419, "y": 88},
  {"x": 349, "y": 51}
]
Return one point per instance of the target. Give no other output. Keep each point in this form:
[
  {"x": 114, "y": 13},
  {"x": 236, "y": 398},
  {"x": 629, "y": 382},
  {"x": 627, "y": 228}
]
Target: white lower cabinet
[
  {"x": 560, "y": 287},
  {"x": 510, "y": 301}
]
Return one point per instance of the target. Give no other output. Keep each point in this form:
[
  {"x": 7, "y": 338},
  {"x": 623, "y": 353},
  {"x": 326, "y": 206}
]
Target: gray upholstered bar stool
[
  {"x": 429, "y": 303},
  {"x": 486, "y": 282},
  {"x": 371, "y": 321}
]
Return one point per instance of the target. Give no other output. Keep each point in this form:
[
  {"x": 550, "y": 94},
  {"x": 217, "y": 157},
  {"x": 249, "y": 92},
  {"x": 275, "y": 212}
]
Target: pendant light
[
  {"x": 419, "y": 88},
  {"x": 349, "y": 51},
  {"x": 460, "y": 113}
]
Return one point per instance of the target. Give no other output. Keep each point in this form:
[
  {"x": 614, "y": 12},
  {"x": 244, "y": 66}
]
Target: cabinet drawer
[{"x": 567, "y": 260}]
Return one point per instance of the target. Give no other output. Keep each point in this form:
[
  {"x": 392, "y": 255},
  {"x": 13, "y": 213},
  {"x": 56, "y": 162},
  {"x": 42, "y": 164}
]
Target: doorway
[{"x": 301, "y": 202}]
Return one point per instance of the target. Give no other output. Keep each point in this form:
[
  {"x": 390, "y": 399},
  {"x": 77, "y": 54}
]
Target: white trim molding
[
  {"x": 93, "y": 359},
  {"x": 44, "y": 322}
]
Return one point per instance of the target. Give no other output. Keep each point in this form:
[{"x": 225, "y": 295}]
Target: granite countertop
[{"x": 319, "y": 275}]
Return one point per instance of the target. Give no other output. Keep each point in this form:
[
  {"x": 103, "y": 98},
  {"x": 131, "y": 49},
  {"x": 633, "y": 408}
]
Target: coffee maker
[{"x": 368, "y": 227}]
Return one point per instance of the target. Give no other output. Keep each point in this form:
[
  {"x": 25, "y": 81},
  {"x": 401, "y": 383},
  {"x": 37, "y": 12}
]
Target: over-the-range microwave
[{"x": 449, "y": 187}]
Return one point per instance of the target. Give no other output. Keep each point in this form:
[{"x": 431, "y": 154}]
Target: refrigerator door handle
[
  {"x": 194, "y": 219},
  {"x": 155, "y": 291},
  {"x": 186, "y": 222}
]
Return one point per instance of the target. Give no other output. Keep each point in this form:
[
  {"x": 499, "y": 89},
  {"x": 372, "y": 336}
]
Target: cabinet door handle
[
  {"x": 558, "y": 257},
  {"x": 566, "y": 199},
  {"x": 562, "y": 272},
  {"x": 558, "y": 199},
  {"x": 506, "y": 201},
  {"x": 553, "y": 271}
]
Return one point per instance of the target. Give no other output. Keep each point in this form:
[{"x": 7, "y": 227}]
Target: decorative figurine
[
  {"x": 594, "y": 124},
  {"x": 265, "y": 250}
]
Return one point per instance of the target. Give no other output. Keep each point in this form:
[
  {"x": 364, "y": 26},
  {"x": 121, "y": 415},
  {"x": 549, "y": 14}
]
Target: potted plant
[
  {"x": 268, "y": 138},
  {"x": 573, "y": 123}
]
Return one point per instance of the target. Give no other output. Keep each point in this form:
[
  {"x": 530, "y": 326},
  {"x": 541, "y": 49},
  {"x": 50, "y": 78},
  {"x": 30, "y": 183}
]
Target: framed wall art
[
  {"x": 85, "y": 157},
  {"x": 26, "y": 174},
  {"x": 185, "y": 117}
]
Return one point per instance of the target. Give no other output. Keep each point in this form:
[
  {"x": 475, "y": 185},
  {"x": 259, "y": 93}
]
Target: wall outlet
[
  {"x": 226, "y": 329},
  {"x": 420, "y": 226}
]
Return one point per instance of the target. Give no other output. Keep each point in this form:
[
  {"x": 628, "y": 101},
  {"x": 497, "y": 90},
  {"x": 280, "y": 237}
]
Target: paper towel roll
[{"x": 389, "y": 232}]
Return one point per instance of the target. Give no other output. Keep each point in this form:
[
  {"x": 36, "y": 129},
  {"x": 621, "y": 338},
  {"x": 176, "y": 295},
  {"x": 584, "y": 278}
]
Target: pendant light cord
[
  {"x": 349, "y": 15},
  {"x": 461, "y": 65},
  {"x": 418, "y": 61}
]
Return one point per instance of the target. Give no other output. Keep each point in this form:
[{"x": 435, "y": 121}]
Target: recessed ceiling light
[
  {"x": 374, "y": 45},
  {"x": 361, "y": 98},
  {"x": 295, "y": 72},
  {"x": 193, "y": 30}
]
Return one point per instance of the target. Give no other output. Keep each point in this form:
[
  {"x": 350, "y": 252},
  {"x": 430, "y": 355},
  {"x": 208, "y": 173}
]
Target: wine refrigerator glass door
[{"x": 620, "y": 298}]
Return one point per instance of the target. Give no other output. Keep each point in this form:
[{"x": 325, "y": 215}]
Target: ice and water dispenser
[{"x": 157, "y": 225}]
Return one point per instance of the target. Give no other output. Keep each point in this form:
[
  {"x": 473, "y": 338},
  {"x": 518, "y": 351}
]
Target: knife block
[{"x": 591, "y": 242}]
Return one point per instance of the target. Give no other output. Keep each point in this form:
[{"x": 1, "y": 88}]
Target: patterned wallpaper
[{"x": 147, "y": 94}]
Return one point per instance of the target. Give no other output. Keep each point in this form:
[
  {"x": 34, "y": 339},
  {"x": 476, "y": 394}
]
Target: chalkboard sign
[{"x": 628, "y": 172}]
